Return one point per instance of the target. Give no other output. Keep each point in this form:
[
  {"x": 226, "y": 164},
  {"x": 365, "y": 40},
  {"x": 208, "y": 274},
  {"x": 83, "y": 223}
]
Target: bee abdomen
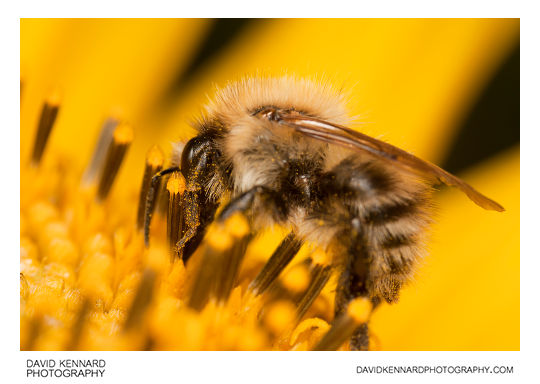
[
  {"x": 397, "y": 241},
  {"x": 395, "y": 235},
  {"x": 381, "y": 214}
]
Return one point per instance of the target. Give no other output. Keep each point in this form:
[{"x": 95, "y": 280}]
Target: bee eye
[{"x": 191, "y": 152}]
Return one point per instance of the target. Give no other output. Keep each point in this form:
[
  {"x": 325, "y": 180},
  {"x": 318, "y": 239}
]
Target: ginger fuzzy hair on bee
[{"x": 277, "y": 151}]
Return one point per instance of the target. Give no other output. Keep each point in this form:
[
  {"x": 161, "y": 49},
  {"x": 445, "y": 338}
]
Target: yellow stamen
[
  {"x": 100, "y": 151},
  {"x": 54, "y": 98},
  {"x": 141, "y": 301},
  {"x": 281, "y": 257},
  {"x": 96, "y": 277},
  {"x": 175, "y": 187},
  {"x": 157, "y": 259},
  {"x": 216, "y": 243},
  {"x": 360, "y": 309},
  {"x": 123, "y": 134},
  {"x": 237, "y": 225},
  {"x": 153, "y": 164},
  {"x": 319, "y": 275},
  {"x": 122, "y": 138},
  {"x": 219, "y": 238},
  {"x": 46, "y": 123},
  {"x": 320, "y": 257},
  {"x": 356, "y": 315},
  {"x": 280, "y": 316},
  {"x": 297, "y": 279},
  {"x": 176, "y": 183},
  {"x": 78, "y": 326},
  {"x": 25, "y": 289},
  {"x": 155, "y": 157},
  {"x": 320, "y": 325}
]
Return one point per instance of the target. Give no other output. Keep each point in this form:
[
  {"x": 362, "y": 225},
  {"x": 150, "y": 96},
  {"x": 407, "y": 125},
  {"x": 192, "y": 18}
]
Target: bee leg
[
  {"x": 188, "y": 235},
  {"x": 181, "y": 244},
  {"x": 200, "y": 213},
  {"x": 151, "y": 200},
  {"x": 354, "y": 283},
  {"x": 191, "y": 222},
  {"x": 197, "y": 213},
  {"x": 199, "y": 162},
  {"x": 244, "y": 202}
]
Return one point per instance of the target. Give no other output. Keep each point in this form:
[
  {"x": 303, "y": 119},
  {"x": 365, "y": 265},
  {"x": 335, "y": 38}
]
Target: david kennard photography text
[{"x": 65, "y": 368}]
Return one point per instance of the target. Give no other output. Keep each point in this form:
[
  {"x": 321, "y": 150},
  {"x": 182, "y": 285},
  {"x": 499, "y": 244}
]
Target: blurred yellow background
[{"x": 411, "y": 81}]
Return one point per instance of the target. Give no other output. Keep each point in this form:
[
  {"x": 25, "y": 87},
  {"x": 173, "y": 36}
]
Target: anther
[
  {"x": 218, "y": 242},
  {"x": 279, "y": 317},
  {"x": 35, "y": 327},
  {"x": 320, "y": 274},
  {"x": 161, "y": 197},
  {"x": 281, "y": 257},
  {"x": 153, "y": 164},
  {"x": 154, "y": 187},
  {"x": 297, "y": 279},
  {"x": 319, "y": 277},
  {"x": 142, "y": 300},
  {"x": 24, "y": 289},
  {"x": 100, "y": 152},
  {"x": 238, "y": 228},
  {"x": 320, "y": 257},
  {"x": 237, "y": 225},
  {"x": 78, "y": 325},
  {"x": 46, "y": 122},
  {"x": 357, "y": 314},
  {"x": 122, "y": 138},
  {"x": 175, "y": 188}
]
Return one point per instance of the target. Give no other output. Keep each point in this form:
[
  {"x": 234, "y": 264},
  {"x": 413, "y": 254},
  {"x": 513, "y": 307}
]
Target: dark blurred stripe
[
  {"x": 493, "y": 124},
  {"x": 221, "y": 34}
]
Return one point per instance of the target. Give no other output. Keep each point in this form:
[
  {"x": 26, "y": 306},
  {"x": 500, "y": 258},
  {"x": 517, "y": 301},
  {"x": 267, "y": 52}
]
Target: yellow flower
[{"x": 87, "y": 281}]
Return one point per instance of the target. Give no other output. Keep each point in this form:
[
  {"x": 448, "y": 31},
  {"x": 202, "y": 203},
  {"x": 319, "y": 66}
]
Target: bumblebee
[{"x": 279, "y": 151}]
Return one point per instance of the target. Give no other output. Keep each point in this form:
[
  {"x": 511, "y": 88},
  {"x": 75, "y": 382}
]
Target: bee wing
[{"x": 346, "y": 137}]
